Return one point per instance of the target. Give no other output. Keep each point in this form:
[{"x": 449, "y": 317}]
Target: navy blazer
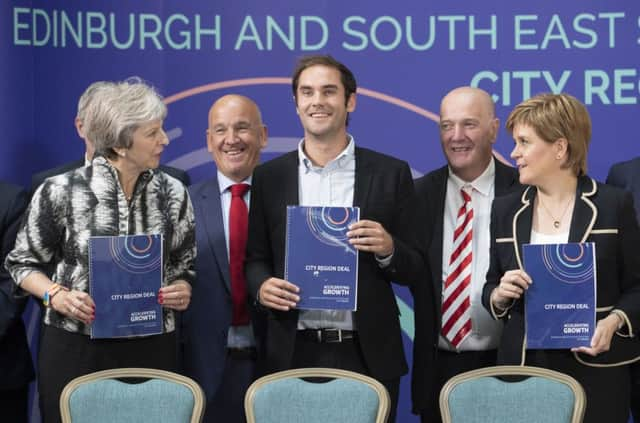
[
  {"x": 384, "y": 192},
  {"x": 601, "y": 214},
  {"x": 627, "y": 175},
  {"x": 38, "y": 178},
  {"x": 432, "y": 192},
  {"x": 16, "y": 369},
  {"x": 206, "y": 322}
]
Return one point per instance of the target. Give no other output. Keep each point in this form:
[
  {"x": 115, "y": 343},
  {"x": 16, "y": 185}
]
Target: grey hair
[
  {"x": 89, "y": 96},
  {"x": 119, "y": 112}
]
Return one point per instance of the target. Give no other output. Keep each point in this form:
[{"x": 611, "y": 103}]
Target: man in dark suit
[
  {"x": 219, "y": 351},
  {"x": 91, "y": 94},
  {"x": 329, "y": 170},
  {"x": 16, "y": 369},
  {"x": 468, "y": 130},
  {"x": 627, "y": 175}
]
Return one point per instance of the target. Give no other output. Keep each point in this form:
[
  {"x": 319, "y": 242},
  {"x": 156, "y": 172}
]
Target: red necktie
[
  {"x": 456, "y": 302},
  {"x": 238, "y": 226}
]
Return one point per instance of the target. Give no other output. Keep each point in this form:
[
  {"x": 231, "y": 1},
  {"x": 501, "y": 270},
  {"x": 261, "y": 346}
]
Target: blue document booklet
[
  {"x": 560, "y": 304},
  {"x": 125, "y": 274},
  {"x": 319, "y": 258}
]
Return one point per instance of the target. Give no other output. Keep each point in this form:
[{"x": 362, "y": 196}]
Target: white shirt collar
[
  {"x": 481, "y": 184},
  {"x": 341, "y": 158},
  {"x": 224, "y": 183}
]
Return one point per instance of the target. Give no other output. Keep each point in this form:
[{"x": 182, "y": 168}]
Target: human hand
[
  {"x": 176, "y": 296},
  {"x": 601, "y": 340},
  {"x": 75, "y": 304},
  {"x": 278, "y": 294},
  {"x": 512, "y": 285},
  {"x": 370, "y": 236}
]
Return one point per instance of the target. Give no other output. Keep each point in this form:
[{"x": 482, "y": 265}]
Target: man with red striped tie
[{"x": 457, "y": 205}]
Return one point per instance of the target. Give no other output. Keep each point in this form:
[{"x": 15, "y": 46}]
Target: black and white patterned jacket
[{"x": 69, "y": 208}]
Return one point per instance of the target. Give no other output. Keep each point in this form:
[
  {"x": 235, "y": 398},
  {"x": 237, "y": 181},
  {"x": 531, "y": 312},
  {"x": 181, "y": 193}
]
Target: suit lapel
[
  {"x": 363, "y": 176},
  {"x": 289, "y": 181},
  {"x": 435, "y": 250},
  {"x": 522, "y": 221},
  {"x": 211, "y": 210},
  {"x": 584, "y": 211},
  {"x": 74, "y": 165},
  {"x": 505, "y": 178}
]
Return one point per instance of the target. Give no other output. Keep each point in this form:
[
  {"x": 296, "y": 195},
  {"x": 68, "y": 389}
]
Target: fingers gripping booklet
[
  {"x": 319, "y": 258},
  {"x": 560, "y": 304},
  {"x": 125, "y": 274}
]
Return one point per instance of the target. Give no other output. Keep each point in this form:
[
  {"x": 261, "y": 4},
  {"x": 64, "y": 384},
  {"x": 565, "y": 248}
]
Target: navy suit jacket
[
  {"x": 38, "y": 178},
  {"x": 432, "y": 192},
  {"x": 601, "y": 214},
  {"x": 16, "y": 369},
  {"x": 383, "y": 190},
  {"x": 627, "y": 175},
  {"x": 206, "y": 322}
]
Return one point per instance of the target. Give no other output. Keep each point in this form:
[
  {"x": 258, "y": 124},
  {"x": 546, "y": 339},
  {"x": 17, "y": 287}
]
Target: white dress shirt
[
  {"x": 331, "y": 185},
  {"x": 238, "y": 336},
  {"x": 485, "y": 332}
]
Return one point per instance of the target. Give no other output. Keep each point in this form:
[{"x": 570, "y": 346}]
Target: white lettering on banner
[
  {"x": 97, "y": 30},
  {"x": 387, "y": 33},
  {"x": 313, "y": 33},
  {"x": 617, "y": 86},
  {"x": 91, "y": 29},
  {"x": 584, "y": 36}
]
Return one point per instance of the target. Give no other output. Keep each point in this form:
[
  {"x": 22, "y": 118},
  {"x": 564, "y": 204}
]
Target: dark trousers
[
  {"x": 345, "y": 355},
  {"x": 14, "y": 403},
  {"x": 449, "y": 364},
  {"x": 607, "y": 388},
  {"x": 228, "y": 403},
  {"x": 63, "y": 356},
  {"x": 635, "y": 390}
]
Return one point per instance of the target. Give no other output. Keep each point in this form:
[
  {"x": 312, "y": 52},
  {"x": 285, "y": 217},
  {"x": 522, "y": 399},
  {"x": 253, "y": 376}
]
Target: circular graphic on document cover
[
  {"x": 330, "y": 225},
  {"x": 565, "y": 262},
  {"x": 137, "y": 254}
]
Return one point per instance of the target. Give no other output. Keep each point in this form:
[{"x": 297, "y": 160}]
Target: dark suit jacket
[
  {"x": 601, "y": 214},
  {"x": 38, "y": 178},
  {"x": 384, "y": 192},
  {"x": 206, "y": 322},
  {"x": 432, "y": 191},
  {"x": 16, "y": 369},
  {"x": 627, "y": 175}
]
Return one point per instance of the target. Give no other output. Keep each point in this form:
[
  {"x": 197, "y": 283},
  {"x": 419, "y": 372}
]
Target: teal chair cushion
[
  {"x": 488, "y": 399},
  {"x": 154, "y": 400},
  {"x": 339, "y": 400}
]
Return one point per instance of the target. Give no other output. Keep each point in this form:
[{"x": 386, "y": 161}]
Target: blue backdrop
[{"x": 405, "y": 55}]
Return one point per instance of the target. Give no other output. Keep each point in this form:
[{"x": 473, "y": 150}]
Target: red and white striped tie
[{"x": 456, "y": 302}]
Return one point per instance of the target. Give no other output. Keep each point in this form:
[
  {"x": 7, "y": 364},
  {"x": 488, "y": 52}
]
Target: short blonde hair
[{"x": 555, "y": 116}]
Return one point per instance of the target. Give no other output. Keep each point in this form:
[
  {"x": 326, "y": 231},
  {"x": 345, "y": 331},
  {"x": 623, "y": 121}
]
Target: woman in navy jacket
[{"x": 562, "y": 204}]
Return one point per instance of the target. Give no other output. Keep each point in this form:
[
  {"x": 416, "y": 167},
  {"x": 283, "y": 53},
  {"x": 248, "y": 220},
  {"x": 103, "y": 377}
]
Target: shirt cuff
[{"x": 384, "y": 262}]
